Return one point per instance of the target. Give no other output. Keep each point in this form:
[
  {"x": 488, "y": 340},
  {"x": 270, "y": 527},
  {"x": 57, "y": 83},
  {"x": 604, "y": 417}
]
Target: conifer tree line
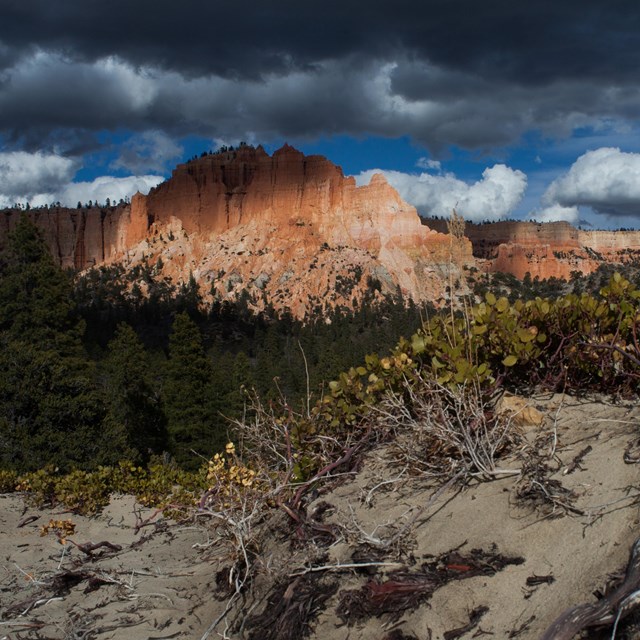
[{"x": 94, "y": 371}]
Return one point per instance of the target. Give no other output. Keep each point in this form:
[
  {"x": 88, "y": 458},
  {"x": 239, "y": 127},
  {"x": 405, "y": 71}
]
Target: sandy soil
[{"x": 502, "y": 558}]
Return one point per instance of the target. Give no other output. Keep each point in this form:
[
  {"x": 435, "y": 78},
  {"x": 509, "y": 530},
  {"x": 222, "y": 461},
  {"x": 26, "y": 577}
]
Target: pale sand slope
[{"x": 162, "y": 584}]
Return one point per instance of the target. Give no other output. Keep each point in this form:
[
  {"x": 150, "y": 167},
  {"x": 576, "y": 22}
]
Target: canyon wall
[
  {"x": 287, "y": 230},
  {"x": 292, "y": 231},
  {"x": 219, "y": 192},
  {"x": 552, "y": 249},
  {"x": 79, "y": 238}
]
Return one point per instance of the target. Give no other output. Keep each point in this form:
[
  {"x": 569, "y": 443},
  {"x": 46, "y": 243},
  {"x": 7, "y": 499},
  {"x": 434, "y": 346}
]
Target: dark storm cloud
[
  {"x": 48, "y": 94},
  {"x": 476, "y": 75},
  {"x": 527, "y": 42}
]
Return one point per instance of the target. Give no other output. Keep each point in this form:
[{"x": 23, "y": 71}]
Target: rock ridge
[
  {"x": 292, "y": 231},
  {"x": 550, "y": 249},
  {"x": 285, "y": 229}
]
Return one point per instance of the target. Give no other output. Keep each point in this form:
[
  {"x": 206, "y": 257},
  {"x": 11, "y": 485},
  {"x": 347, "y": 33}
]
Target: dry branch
[{"x": 442, "y": 430}]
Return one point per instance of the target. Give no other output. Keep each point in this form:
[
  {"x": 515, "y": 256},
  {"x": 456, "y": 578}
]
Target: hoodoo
[{"x": 289, "y": 230}]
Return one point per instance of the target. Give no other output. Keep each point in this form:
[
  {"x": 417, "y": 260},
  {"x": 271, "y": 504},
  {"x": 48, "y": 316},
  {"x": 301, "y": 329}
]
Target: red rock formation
[
  {"x": 78, "y": 238},
  {"x": 293, "y": 231},
  {"x": 289, "y": 229},
  {"x": 219, "y": 192},
  {"x": 553, "y": 249}
]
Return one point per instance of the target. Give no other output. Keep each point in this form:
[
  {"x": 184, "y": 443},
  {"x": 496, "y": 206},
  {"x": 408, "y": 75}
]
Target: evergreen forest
[{"x": 109, "y": 366}]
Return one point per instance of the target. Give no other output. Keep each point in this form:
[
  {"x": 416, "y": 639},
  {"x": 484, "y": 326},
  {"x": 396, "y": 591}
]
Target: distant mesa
[
  {"x": 545, "y": 250},
  {"x": 293, "y": 232}
]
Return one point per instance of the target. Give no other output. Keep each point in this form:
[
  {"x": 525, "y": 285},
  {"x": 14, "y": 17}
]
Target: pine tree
[
  {"x": 242, "y": 381},
  {"x": 50, "y": 409},
  {"x": 134, "y": 407},
  {"x": 190, "y": 402},
  {"x": 269, "y": 361},
  {"x": 35, "y": 294},
  {"x": 232, "y": 377},
  {"x": 188, "y": 297}
]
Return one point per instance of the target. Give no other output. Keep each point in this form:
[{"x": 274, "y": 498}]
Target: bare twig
[
  {"x": 306, "y": 371},
  {"x": 369, "y": 497},
  {"x": 237, "y": 523},
  {"x": 38, "y": 603},
  {"x": 554, "y": 445},
  {"x": 442, "y": 429},
  {"x": 342, "y": 567},
  {"x": 88, "y": 547}
]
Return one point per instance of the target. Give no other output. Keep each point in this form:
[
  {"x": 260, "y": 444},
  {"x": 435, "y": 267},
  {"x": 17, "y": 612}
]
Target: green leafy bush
[
  {"x": 8, "y": 481},
  {"x": 572, "y": 342},
  {"x": 84, "y": 492},
  {"x": 39, "y": 486}
]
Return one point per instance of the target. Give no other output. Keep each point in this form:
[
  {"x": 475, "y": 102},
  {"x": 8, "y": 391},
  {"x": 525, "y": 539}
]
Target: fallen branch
[
  {"x": 474, "y": 618},
  {"x": 291, "y": 608},
  {"x": 577, "y": 461},
  {"x": 28, "y": 520},
  {"x": 38, "y": 603},
  {"x": 535, "y": 580},
  {"x": 404, "y": 590},
  {"x": 612, "y": 347},
  {"x": 23, "y": 625},
  {"x": 340, "y": 567},
  {"x": 396, "y": 534},
  {"x": 326, "y": 470},
  {"x": 140, "y": 522}
]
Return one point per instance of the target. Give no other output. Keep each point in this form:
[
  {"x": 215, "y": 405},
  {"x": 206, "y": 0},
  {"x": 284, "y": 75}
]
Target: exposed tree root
[{"x": 609, "y": 611}]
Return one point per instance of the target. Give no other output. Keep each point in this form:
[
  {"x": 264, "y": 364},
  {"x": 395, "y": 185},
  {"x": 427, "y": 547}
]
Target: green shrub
[
  {"x": 8, "y": 481},
  {"x": 572, "y": 342},
  {"x": 84, "y": 492},
  {"x": 39, "y": 486}
]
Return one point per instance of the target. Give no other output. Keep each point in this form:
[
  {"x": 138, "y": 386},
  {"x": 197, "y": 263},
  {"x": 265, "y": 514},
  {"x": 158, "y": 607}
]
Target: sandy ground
[
  {"x": 157, "y": 586},
  {"x": 533, "y": 558}
]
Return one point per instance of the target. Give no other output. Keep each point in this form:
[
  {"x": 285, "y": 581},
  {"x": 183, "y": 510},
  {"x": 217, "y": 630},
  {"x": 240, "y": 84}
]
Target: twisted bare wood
[{"x": 610, "y": 610}]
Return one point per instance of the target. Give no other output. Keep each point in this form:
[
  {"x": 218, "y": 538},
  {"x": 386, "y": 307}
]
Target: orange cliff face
[
  {"x": 288, "y": 230},
  {"x": 219, "y": 192},
  {"x": 545, "y": 250},
  {"x": 78, "y": 238},
  {"x": 293, "y": 232},
  {"x": 542, "y": 250}
]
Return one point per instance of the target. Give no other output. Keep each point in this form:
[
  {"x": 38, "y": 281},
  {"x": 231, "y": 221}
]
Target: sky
[{"x": 499, "y": 109}]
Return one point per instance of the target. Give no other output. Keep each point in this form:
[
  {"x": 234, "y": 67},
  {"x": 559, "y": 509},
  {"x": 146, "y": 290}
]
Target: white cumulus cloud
[
  {"x": 23, "y": 175},
  {"x": 555, "y": 213},
  {"x": 41, "y": 179},
  {"x": 106, "y": 187},
  {"x": 428, "y": 163},
  {"x": 493, "y": 197},
  {"x": 606, "y": 179}
]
